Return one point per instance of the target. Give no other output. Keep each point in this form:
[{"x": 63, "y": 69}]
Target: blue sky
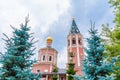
[{"x": 53, "y": 17}]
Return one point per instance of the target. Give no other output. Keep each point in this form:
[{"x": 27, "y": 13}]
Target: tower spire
[{"x": 74, "y": 28}]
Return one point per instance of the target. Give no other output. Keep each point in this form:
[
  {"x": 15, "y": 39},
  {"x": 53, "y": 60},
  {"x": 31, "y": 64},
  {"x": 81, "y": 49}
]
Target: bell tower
[{"x": 75, "y": 45}]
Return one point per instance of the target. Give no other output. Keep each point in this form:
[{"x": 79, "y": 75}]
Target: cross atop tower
[{"x": 74, "y": 28}]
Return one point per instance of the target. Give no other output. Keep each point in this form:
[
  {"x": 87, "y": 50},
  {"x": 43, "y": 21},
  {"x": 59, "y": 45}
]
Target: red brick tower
[
  {"x": 75, "y": 45},
  {"x": 47, "y": 58}
]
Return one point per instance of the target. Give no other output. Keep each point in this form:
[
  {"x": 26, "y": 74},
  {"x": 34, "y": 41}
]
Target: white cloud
[
  {"x": 46, "y": 12},
  {"x": 43, "y": 14},
  {"x": 108, "y": 17},
  {"x": 89, "y": 5},
  {"x": 62, "y": 58}
]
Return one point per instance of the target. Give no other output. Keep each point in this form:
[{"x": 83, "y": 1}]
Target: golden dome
[{"x": 49, "y": 39}]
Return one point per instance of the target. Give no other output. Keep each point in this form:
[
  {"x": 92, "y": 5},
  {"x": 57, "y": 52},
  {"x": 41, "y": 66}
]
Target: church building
[{"x": 47, "y": 56}]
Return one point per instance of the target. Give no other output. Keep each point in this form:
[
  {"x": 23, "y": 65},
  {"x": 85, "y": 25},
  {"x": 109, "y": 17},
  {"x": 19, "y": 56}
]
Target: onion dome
[{"x": 49, "y": 39}]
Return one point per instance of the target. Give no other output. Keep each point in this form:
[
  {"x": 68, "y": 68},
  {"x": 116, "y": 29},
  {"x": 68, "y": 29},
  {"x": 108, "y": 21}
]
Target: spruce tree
[
  {"x": 16, "y": 61},
  {"x": 95, "y": 66},
  {"x": 79, "y": 77}
]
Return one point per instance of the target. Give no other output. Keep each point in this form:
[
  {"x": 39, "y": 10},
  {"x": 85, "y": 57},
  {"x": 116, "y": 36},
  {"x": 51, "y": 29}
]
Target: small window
[
  {"x": 68, "y": 42},
  {"x": 38, "y": 71},
  {"x": 43, "y": 58},
  {"x": 73, "y": 41},
  {"x": 50, "y": 58},
  {"x": 79, "y": 41}
]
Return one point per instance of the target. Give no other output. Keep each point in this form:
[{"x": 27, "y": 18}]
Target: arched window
[
  {"x": 73, "y": 41},
  {"x": 38, "y": 70},
  {"x": 68, "y": 42},
  {"x": 79, "y": 41},
  {"x": 50, "y": 58},
  {"x": 43, "y": 58}
]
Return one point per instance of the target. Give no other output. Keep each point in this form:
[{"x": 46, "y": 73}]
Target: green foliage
[
  {"x": 16, "y": 62},
  {"x": 116, "y": 5},
  {"x": 112, "y": 45},
  {"x": 113, "y": 40},
  {"x": 79, "y": 77},
  {"x": 71, "y": 54},
  {"x": 55, "y": 70},
  {"x": 76, "y": 77},
  {"x": 70, "y": 71},
  {"x": 55, "y": 77},
  {"x": 106, "y": 31},
  {"x": 95, "y": 66}
]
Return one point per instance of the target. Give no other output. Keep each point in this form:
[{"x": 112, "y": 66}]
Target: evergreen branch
[
  {"x": 27, "y": 20},
  {"x": 33, "y": 49},
  {"x": 6, "y": 36},
  {"x": 12, "y": 27},
  {"x": 8, "y": 39},
  {"x": 31, "y": 33},
  {"x": 92, "y": 25},
  {"x": 4, "y": 39},
  {"x": 1, "y": 53},
  {"x": 31, "y": 36},
  {"x": 7, "y": 43},
  {"x": 32, "y": 39},
  {"x": 21, "y": 25},
  {"x": 5, "y": 48},
  {"x": 35, "y": 41},
  {"x": 29, "y": 27}
]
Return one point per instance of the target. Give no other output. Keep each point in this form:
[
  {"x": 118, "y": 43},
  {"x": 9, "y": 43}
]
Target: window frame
[
  {"x": 43, "y": 58},
  {"x": 79, "y": 41},
  {"x": 73, "y": 41},
  {"x": 49, "y": 58}
]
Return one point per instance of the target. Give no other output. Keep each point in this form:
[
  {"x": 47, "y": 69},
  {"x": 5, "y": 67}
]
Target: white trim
[
  {"x": 47, "y": 55},
  {"x": 42, "y": 58},
  {"x": 70, "y": 43},
  {"x": 51, "y": 58},
  {"x": 39, "y": 56},
  {"x": 54, "y": 58},
  {"x": 78, "y": 55},
  {"x": 50, "y": 67},
  {"x": 46, "y": 77},
  {"x": 58, "y": 77}
]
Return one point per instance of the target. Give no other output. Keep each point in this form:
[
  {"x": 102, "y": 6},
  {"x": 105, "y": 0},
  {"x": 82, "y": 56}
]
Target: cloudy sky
[{"x": 53, "y": 17}]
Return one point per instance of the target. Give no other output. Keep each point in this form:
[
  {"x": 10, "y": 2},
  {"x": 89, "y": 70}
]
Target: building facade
[
  {"x": 47, "y": 57},
  {"x": 47, "y": 62},
  {"x": 75, "y": 45}
]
